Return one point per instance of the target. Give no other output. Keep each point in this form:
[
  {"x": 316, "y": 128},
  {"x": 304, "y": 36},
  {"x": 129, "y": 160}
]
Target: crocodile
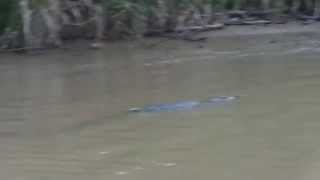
[{"x": 185, "y": 105}]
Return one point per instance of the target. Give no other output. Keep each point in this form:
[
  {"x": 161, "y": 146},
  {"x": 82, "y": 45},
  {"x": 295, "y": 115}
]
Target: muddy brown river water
[{"x": 63, "y": 115}]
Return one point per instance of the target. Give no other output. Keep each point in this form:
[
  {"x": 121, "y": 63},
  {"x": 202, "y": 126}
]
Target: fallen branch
[
  {"x": 188, "y": 33},
  {"x": 257, "y": 22},
  {"x": 22, "y": 49},
  {"x": 187, "y": 36},
  {"x": 247, "y": 22},
  {"x": 307, "y": 18},
  {"x": 185, "y": 33},
  {"x": 201, "y": 28}
]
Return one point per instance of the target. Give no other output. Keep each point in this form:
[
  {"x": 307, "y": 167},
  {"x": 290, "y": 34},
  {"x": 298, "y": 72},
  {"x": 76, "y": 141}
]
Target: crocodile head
[{"x": 135, "y": 109}]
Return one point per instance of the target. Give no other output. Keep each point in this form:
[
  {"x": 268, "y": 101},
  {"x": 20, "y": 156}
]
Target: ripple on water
[
  {"x": 121, "y": 173},
  {"x": 165, "y": 164},
  {"x": 104, "y": 152}
]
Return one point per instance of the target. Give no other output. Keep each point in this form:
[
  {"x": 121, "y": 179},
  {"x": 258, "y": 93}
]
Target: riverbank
[
  {"x": 256, "y": 30},
  {"x": 270, "y": 33}
]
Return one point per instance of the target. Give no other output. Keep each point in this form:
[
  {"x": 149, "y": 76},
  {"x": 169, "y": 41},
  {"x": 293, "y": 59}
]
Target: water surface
[{"x": 64, "y": 114}]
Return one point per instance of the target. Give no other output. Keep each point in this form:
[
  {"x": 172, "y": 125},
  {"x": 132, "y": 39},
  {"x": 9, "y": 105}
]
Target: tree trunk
[
  {"x": 265, "y": 4},
  {"x": 51, "y": 16},
  {"x": 295, "y": 7},
  {"x": 172, "y": 15},
  {"x": 97, "y": 12},
  {"x": 100, "y": 23},
  {"x": 53, "y": 38},
  {"x": 316, "y": 6},
  {"x": 26, "y": 13},
  {"x": 162, "y": 12}
]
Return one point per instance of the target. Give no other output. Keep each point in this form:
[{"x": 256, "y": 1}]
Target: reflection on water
[{"x": 64, "y": 115}]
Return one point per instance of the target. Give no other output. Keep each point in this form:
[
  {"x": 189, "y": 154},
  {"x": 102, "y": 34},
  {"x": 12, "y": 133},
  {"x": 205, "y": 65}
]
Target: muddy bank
[
  {"x": 291, "y": 31},
  {"x": 269, "y": 33},
  {"x": 289, "y": 28}
]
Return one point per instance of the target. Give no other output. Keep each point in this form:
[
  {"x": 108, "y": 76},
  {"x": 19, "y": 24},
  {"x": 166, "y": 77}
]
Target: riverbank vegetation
[{"x": 48, "y": 23}]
